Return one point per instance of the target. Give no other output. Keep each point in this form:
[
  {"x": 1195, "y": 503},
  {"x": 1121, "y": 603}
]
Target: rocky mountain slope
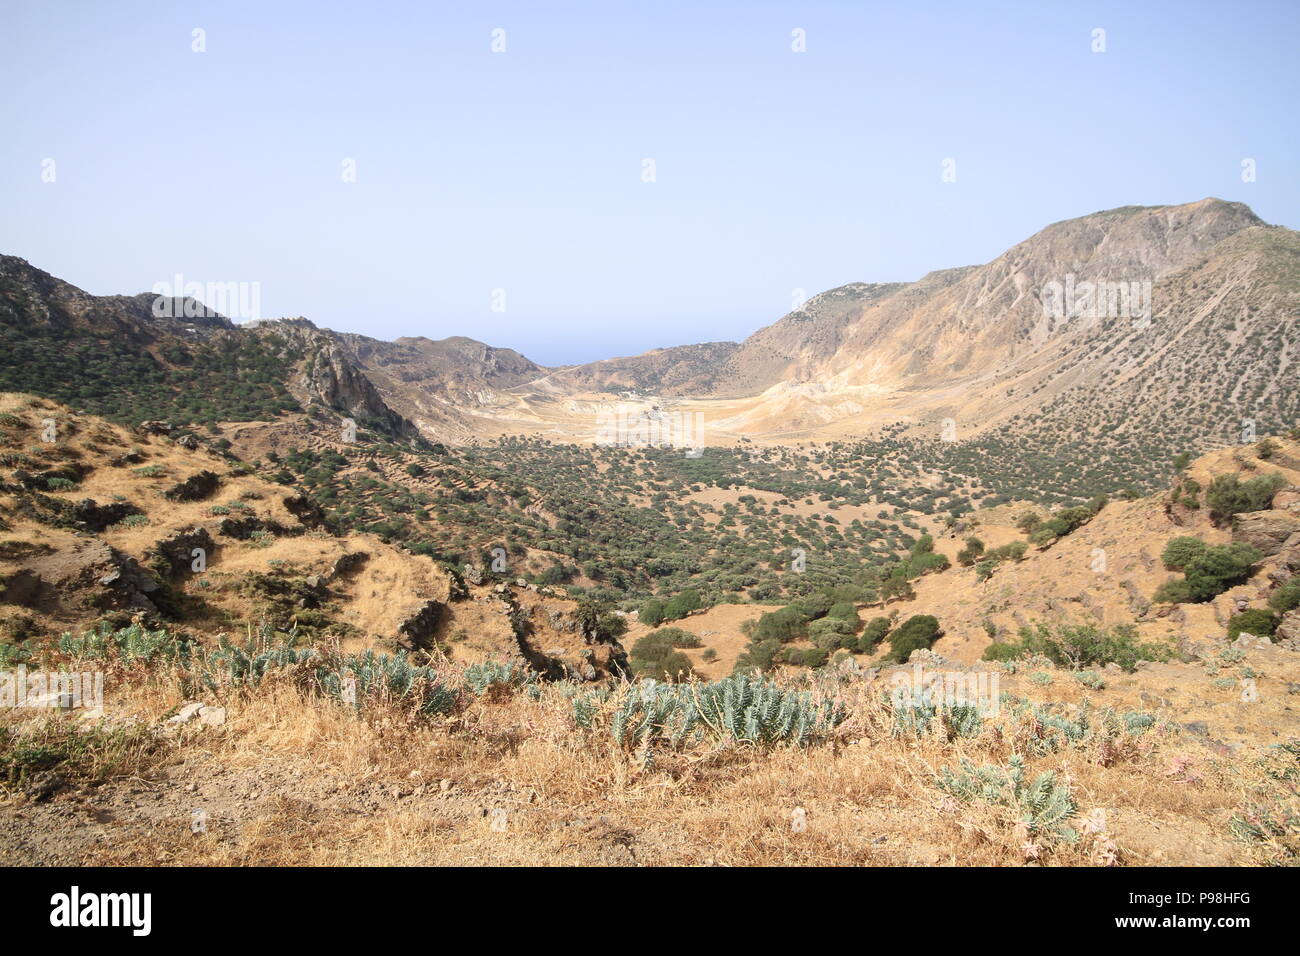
[
  {"x": 1178, "y": 330},
  {"x": 108, "y": 524}
]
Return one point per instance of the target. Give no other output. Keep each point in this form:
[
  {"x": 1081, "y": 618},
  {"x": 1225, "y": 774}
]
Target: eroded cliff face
[{"x": 330, "y": 379}]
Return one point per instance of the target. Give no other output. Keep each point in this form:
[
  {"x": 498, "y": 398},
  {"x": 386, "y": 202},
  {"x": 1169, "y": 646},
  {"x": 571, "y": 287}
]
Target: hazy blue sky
[{"x": 522, "y": 170}]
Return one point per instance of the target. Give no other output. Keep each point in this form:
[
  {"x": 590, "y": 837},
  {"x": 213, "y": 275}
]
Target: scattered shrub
[
  {"x": 917, "y": 632},
  {"x": 1227, "y": 495},
  {"x": 1253, "y": 621}
]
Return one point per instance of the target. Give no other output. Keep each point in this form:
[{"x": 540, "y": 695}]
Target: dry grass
[{"x": 292, "y": 779}]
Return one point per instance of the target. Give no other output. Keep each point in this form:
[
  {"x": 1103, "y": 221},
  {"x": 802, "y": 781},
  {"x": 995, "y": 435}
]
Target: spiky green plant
[
  {"x": 1053, "y": 730},
  {"x": 958, "y": 720},
  {"x": 130, "y": 644},
  {"x": 1043, "y": 805},
  {"x": 651, "y": 712},
  {"x": 479, "y": 677},
  {"x": 746, "y": 708},
  {"x": 355, "y": 678}
]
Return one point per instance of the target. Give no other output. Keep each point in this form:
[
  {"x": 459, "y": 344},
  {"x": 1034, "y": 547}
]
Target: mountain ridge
[{"x": 978, "y": 345}]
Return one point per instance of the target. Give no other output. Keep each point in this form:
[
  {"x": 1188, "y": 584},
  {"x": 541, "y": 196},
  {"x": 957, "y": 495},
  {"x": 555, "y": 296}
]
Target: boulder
[
  {"x": 193, "y": 710},
  {"x": 350, "y": 562},
  {"x": 1287, "y": 499},
  {"x": 1268, "y": 532}
]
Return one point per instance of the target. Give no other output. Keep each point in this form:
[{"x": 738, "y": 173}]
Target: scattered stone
[
  {"x": 196, "y": 710},
  {"x": 42, "y": 786}
]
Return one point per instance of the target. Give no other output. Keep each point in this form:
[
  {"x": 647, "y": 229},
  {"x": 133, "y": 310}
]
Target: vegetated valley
[{"x": 366, "y": 602}]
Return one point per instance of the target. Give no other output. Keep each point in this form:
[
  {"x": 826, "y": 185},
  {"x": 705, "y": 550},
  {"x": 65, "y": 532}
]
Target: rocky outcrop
[
  {"x": 175, "y": 554},
  {"x": 417, "y": 631},
  {"x": 305, "y": 510},
  {"x": 194, "y": 488},
  {"x": 330, "y": 379},
  {"x": 242, "y": 529},
  {"x": 1287, "y": 499},
  {"x": 350, "y": 563},
  {"x": 1268, "y": 532}
]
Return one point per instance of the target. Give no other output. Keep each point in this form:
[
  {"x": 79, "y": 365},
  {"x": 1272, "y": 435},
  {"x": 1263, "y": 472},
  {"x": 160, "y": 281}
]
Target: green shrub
[
  {"x": 844, "y": 611},
  {"x": 652, "y": 613},
  {"x": 758, "y": 656},
  {"x": 806, "y": 656},
  {"x": 1179, "y": 551},
  {"x": 682, "y": 604},
  {"x": 875, "y": 632},
  {"x": 1227, "y": 495},
  {"x": 1209, "y": 573},
  {"x": 673, "y": 637},
  {"x": 832, "y": 634},
  {"x": 1009, "y": 552},
  {"x": 783, "y": 625},
  {"x": 814, "y": 606},
  {"x": 971, "y": 552},
  {"x": 656, "y": 656},
  {"x": 1028, "y": 522},
  {"x": 1085, "y": 645},
  {"x": 1000, "y": 651},
  {"x": 1287, "y": 597},
  {"x": 917, "y": 632},
  {"x": 1253, "y": 621}
]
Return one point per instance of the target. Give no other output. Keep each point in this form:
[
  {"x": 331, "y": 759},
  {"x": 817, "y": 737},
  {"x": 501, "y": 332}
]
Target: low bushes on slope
[
  {"x": 918, "y": 632},
  {"x": 1228, "y": 495},
  {"x": 1208, "y": 570},
  {"x": 1065, "y": 521},
  {"x": 656, "y": 655},
  {"x": 1078, "y": 646}
]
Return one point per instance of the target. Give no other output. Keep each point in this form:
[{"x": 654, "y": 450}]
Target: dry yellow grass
[{"x": 292, "y": 779}]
